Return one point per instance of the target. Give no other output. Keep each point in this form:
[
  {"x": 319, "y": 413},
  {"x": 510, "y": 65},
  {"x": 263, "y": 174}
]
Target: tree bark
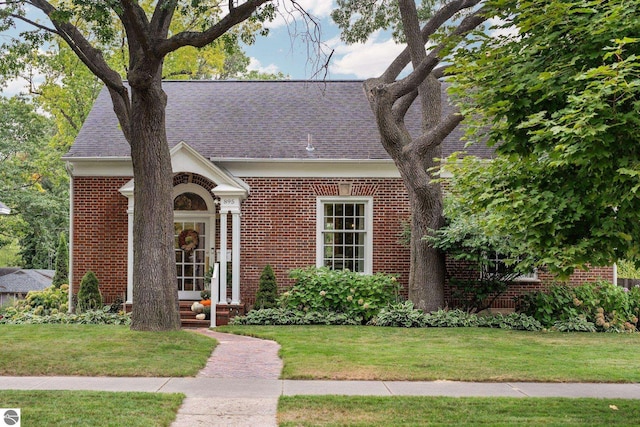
[{"x": 154, "y": 272}]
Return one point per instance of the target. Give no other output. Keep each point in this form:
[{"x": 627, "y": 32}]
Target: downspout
[{"x": 69, "y": 169}]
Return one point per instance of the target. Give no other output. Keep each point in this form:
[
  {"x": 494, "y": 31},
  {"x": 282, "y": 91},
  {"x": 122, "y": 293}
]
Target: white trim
[
  {"x": 186, "y": 159},
  {"x": 241, "y": 168},
  {"x": 368, "y": 203}
]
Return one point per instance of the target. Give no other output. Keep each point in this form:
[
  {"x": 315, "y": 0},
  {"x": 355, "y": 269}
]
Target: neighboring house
[
  {"x": 287, "y": 173},
  {"x": 16, "y": 282},
  {"x": 4, "y": 210}
]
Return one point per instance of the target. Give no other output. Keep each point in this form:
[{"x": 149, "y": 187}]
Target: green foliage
[
  {"x": 556, "y": 89},
  {"x": 89, "y": 297},
  {"x": 358, "y": 20},
  {"x": 49, "y": 301},
  {"x": 628, "y": 270},
  {"x": 400, "y": 315},
  {"x": 404, "y": 315},
  {"x": 267, "y": 295},
  {"x": 515, "y": 321},
  {"x": 451, "y": 319},
  {"x": 356, "y": 295},
  {"x": 283, "y": 316},
  {"x": 575, "y": 324},
  {"x": 609, "y": 307},
  {"x": 90, "y": 317},
  {"x": 33, "y": 183},
  {"x": 62, "y": 263}
]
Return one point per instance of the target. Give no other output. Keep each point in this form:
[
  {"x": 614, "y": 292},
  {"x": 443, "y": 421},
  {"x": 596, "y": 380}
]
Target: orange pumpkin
[{"x": 206, "y": 302}]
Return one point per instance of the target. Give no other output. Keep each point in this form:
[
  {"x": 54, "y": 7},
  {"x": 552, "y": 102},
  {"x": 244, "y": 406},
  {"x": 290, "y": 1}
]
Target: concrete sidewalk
[{"x": 213, "y": 388}]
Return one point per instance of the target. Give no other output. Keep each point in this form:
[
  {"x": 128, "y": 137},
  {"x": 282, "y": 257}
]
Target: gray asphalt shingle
[
  {"x": 258, "y": 120},
  {"x": 15, "y": 280}
]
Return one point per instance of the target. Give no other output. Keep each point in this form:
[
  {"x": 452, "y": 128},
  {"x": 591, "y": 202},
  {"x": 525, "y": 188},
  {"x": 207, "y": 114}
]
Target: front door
[{"x": 192, "y": 257}]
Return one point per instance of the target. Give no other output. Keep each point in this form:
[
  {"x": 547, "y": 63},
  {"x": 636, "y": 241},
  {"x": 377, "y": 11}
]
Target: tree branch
[
  {"x": 136, "y": 24},
  {"x": 437, "y": 134},
  {"x": 437, "y": 20},
  {"x": 33, "y": 23},
  {"x": 199, "y": 39},
  {"x": 161, "y": 19},
  {"x": 420, "y": 73}
]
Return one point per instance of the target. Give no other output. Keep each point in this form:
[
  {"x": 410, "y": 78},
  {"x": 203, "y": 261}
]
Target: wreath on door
[{"x": 188, "y": 240}]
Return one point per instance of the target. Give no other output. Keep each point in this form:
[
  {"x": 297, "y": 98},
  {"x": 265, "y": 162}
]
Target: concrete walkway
[{"x": 240, "y": 387}]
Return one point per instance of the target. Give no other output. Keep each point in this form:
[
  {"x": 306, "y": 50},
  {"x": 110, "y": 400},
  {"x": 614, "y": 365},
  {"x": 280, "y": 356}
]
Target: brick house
[{"x": 286, "y": 173}]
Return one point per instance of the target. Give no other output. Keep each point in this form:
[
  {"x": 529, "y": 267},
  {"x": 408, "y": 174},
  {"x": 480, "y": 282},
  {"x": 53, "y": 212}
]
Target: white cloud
[
  {"x": 364, "y": 60},
  {"x": 15, "y": 87},
  {"x": 254, "y": 64}
]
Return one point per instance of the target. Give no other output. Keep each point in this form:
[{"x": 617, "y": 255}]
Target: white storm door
[{"x": 192, "y": 256}]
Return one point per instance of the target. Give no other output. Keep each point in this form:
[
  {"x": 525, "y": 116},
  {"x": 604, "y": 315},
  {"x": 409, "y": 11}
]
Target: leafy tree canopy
[
  {"x": 556, "y": 89},
  {"x": 30, "y": 183}
]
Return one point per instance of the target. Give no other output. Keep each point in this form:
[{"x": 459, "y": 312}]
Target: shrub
[
  {"x": 48, "y": 301},
  {"x": 515, "y": 321},
  {"x": 92, "y": 317},
  {"x": 400, "y": 315},
  {"x": 575, "y": 324},
  {"x": 61, "y": 275},
  {"x": 267, "y": 295},
  {"x": 451, "y": 319},
  {"x": 356, "y": 295},
  {"x": 609, "y": 307},
  {"x": 283, "y": 316},
  {"x": 89, "y": 297}
]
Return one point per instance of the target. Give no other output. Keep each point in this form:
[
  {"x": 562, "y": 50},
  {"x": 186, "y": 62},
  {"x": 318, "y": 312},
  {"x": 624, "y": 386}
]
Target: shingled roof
[
  {"x": 16, "y": 280},
  {"x": 258, "y": 120}
]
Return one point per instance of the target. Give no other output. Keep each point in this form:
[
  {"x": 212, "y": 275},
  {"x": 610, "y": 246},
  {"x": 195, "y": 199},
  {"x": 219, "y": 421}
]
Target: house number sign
[{"x": 230, "y": 204}]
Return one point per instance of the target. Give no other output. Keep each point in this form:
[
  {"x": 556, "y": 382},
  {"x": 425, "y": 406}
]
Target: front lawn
[
  {"x": 462, "y": 354},
  {"x": 100, "y": 350},
  {"x": 421, "y": 411},
  {"x": 92, "y": 408}
]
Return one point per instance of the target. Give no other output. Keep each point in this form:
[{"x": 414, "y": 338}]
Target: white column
[
  {"x": 223, "y": 257},
  {"x": 235, "y": 258}
]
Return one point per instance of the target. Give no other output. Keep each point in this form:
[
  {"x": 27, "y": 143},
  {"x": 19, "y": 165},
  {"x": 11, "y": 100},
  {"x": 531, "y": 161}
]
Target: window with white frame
[
  {"x": 344, "y": 238},
  {"x": 497, "y": 267}
]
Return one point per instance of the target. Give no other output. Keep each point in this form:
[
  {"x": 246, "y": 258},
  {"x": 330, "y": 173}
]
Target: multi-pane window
[
  {"x": 497, "y": 267},
  {"x": 344, "y": 235}
]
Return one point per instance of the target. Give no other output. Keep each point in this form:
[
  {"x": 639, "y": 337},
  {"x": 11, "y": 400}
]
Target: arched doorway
[{"x": 194, "y": 237}]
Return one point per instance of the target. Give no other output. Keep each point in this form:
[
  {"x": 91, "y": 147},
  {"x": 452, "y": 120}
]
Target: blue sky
[
  {"x": 285, "y": 50},
  {"x": 280, "y": 51}
]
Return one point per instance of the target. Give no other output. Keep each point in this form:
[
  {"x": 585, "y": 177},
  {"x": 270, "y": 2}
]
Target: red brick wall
[
  {"x": 100, "y": 226},
  {"x": 279, "y": 227}
]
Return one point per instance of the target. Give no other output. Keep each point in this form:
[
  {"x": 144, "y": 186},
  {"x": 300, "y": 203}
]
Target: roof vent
[{"x": 310, "y": 146}]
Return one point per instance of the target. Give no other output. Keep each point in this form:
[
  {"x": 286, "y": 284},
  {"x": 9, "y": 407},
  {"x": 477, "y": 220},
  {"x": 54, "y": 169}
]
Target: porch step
[
  {"x": 188, "y": 317},
  {"x": 224, "y": 314}
]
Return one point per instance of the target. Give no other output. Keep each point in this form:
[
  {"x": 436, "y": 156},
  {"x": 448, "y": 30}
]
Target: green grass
[
  {"x": 420, "y": 411},
  {"x": 98, "y": 350},
  {"x": 463, "y": 354},
  {"x": 92, "y": 408}
]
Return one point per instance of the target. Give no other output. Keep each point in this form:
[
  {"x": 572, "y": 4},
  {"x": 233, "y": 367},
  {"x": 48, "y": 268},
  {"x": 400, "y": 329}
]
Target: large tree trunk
[
  {"x": 427, "y": 273},
  {"x": 155, "y": 294}
]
